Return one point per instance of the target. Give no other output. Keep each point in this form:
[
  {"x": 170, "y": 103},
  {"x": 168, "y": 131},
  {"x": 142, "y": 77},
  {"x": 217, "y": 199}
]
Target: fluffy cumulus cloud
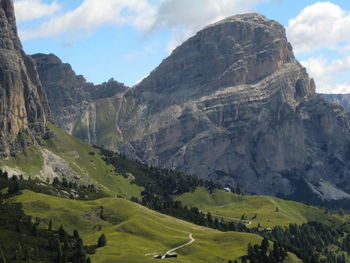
[
  {"x": 32, "y": 9},
  {"x": 182, "y": 17},
  {"x": 185, "y": 17},
  {"x": 322, "y": 30},
  {"x": 92, "y": 14},
  {"x": 323, "y": 24}
]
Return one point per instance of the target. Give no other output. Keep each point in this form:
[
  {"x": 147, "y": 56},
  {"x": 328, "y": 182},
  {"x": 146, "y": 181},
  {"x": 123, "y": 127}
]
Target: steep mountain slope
[
  {"x": 64, "y": 156},
  {"x": 23, "y": 105},
  {"x": 231, "y": 104},
  {"x": 340, "y": 99}
]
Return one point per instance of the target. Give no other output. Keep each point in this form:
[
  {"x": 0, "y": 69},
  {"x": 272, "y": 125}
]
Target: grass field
[
  {"x": 266, "y": 210},
  {"x": 82, "y": 158},
  {"x": 133, "y": 231}
]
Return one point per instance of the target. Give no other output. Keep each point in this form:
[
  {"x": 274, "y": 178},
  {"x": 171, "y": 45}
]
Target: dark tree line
[
  {"x": 262, "y": 253},
  {"x": 56, "y": 188},
  {"x": 313, "y": 242},
  {"x": 163, "y": 183},
  {"x": 23, "y": 240}
]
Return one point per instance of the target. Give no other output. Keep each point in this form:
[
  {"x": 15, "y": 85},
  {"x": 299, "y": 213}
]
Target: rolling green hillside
[
  {"x": 66, "y": 156},
  {"x": 266, "y": 210},
  {"x": 135, "y": 233}
]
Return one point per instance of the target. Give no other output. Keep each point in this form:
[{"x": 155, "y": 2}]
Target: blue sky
[{"x": 126, "y": 39}]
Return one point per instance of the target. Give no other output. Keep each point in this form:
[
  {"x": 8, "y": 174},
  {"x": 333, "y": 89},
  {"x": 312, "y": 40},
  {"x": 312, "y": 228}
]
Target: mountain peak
[
  {"x": 253, "y": 18},
  {"x": 239, "y": 50},
  {"x": 231, "y": 104}
]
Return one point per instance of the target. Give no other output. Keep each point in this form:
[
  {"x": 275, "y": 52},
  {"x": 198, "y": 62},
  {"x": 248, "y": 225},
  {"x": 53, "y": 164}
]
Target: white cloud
[
  {"x": 323, "y": 29},
  {"x": 32, "y": 9},
  {"x": 182, "y": 17},
  {"x": 92, "y": 14},
  {"x": 327, "y": 74},
  {"x": 194, "y": 14},
  {"x": 320, "y": 25},
  {"x": 187, "y": 17}
]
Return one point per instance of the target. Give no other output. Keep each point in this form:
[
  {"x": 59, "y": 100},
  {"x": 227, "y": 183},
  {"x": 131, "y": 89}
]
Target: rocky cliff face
[
  {"x": 23, "y": 105},
  {"x": 233, "y": 104},
  {"x": 236, "y": 51}
]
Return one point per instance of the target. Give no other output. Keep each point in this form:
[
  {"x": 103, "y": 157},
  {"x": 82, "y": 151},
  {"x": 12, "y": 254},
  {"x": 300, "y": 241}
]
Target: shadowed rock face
[
  {"x": 23, "y": 104},
  {"x": 232, "y": 104}
]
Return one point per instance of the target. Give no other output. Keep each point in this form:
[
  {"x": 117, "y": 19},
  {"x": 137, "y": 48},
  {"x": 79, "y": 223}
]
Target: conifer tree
[
  {"x": 62, "y": 232},
  {"x": 34, "y": 230},
  {"x": 76, "y": 234},
  {"x": 102, "y": 241},
  {"x": 50, "y": 225},
  {"x": 264, "y": 245}
]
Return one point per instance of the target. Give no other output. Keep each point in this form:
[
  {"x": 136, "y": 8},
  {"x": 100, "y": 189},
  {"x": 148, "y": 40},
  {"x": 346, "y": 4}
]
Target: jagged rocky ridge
[
  {"x": 340, "y": 99},
  {"x": 232, "y": 104},
  {"x": 78, "y": 106},
  {"x": 23, "y": 104}
]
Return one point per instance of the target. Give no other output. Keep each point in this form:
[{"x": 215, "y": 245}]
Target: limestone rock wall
[
  {"x": 81, "y": 108},
  {"x": 23, "y": 105}
]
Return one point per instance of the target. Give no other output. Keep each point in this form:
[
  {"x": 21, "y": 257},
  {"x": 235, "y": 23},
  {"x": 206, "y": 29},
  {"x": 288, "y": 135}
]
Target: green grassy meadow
[
  {"x": 135, "y": 233},
  {"x": 266, "y": 210}
]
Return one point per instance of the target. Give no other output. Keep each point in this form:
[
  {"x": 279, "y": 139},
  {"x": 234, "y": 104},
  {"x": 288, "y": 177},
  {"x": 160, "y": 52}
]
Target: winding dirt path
[{"x": 174, "y": 249}]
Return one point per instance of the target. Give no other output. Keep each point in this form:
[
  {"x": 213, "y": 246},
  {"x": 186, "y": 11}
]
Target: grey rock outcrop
[
  {"x": 23, "y": 104},
  {"x": 233, "y": 104}
]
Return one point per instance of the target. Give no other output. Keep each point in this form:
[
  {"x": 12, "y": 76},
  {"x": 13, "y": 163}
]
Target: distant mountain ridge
[
  {"x": 231, "y": 104},
  {"x": 340, "y": 99},
  {"x": 72, "y": 98}
]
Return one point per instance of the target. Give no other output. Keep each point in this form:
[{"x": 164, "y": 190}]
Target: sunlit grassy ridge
[
  {"x": 82, "y": 158},
  {"x": 266, "y": 210},
  {"x": 133, "y": 230}
]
